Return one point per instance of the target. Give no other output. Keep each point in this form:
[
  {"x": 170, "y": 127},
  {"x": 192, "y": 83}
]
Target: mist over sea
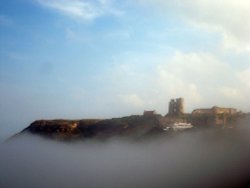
[{"x": 200, "y": 158}]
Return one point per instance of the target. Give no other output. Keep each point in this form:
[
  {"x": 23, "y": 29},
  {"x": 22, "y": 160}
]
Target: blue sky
[{"x": 111, "y": 58}]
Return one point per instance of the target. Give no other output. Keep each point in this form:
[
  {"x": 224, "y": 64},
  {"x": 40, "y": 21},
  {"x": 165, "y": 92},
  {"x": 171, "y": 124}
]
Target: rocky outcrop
[{"x": 132, "y": 126}]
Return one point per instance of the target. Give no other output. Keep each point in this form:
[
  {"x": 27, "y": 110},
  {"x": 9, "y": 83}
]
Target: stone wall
[{"x": 213, "y": 116}]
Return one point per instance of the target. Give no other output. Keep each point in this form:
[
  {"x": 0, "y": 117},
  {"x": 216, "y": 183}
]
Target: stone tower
[{"x": 176, "y": 107}]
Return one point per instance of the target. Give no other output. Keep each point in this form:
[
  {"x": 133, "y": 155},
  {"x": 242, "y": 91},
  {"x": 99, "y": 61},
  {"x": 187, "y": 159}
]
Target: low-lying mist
[{"x": 204, "y": 158}]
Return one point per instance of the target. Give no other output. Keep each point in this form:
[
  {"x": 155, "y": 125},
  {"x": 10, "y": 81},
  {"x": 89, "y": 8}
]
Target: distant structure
[
  {"x": 147, "y": 113},
  {"x": 214, "y": 116},
  {"x": 176, "y": 107},
  {"x": 202, "y": 117}
]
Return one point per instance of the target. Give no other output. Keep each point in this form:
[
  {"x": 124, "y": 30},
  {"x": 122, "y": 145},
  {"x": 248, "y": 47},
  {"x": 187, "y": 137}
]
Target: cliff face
[
  {"x": 131, "y": 126},
  {"x": 134, "y": 126}
]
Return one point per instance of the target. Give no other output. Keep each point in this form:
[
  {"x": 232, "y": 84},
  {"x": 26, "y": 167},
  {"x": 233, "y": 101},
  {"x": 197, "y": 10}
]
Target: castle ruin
[
  {"x": 176, "y": 107},
  {"x": 214, "y": 116},
  {"x": 202, "y": 117}
]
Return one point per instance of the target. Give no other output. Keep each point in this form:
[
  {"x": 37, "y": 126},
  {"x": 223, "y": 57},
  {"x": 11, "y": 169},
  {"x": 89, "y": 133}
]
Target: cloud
[
  {"x": 75, "y": 8},
  {"x": 131, "y": 100},
  {"x": 231, "y": 93},
  {"x": 244, "y": 77},
  {"x": 83, "y": 9},
  {"x": 229, "y": 18},
  {"x": 203, "y": 79},
  {"x": 193, "y": 76},
  {"x": 149, "y": 80}
]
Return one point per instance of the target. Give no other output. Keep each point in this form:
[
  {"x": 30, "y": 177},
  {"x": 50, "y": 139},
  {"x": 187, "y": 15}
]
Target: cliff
[{"x": 131, "y": 126}]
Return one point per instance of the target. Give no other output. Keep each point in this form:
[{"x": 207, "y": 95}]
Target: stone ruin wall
[{"x": 214, "y": 116}]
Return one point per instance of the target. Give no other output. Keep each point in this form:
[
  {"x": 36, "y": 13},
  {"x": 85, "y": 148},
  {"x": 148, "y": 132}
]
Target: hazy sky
[{"x": 111, "y": 58}]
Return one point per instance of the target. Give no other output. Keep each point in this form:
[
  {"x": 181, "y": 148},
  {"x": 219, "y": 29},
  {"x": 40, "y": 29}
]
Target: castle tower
[
  {"x": 180, "y": 106},
  {"x": 176, "y": 107},
  {"x": 171, "y": 107}
]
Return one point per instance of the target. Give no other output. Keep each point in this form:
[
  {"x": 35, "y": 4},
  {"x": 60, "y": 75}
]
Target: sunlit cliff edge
[{"x": 138, "y": 126}]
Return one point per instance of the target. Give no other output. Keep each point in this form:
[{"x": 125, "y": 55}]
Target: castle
[
  {"x": 176, "y": 107},
  {"x": 215, "y": 116}
]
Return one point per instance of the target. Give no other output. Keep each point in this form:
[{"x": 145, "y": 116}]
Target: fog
[{"x": 201, "y": 158}]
